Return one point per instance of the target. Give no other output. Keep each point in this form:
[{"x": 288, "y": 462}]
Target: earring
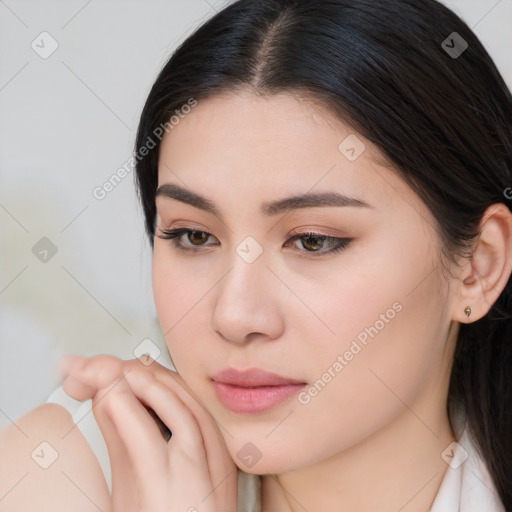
[{"x": 468, "y": 310}]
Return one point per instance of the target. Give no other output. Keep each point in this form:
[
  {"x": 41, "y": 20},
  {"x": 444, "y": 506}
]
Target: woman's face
[{"x": 362, "y": 331}]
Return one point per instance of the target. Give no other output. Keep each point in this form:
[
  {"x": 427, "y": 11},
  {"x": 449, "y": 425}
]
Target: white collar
[{"x": 467, "y": 485}]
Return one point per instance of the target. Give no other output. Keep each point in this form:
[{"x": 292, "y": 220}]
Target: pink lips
[{"x": 254, "y": 390}]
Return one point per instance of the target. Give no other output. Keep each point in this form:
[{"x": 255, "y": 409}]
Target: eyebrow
[{"x": 310, "y": 200}]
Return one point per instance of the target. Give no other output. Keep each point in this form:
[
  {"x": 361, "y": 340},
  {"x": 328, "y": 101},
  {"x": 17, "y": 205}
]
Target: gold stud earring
[{"x": 468, "y": 310}]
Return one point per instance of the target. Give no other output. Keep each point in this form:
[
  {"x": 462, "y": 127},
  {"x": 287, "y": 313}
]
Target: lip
[{"x": 254, "y": 390}]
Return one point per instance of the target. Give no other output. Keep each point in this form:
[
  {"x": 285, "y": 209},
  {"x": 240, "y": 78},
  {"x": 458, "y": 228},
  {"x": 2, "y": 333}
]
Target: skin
[
  {"x": 372, "y": 438},
  {"x": 249, "y": 318},
  {"x": 74, "y": 478}
]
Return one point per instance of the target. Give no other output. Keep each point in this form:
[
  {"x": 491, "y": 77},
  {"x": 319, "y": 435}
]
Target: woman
[{"x": 326, "y": 188}]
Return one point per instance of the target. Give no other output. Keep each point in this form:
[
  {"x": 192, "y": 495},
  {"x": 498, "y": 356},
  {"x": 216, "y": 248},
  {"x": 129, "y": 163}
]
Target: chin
[
  {"x": 269, "y": 460},
  {"x": 270, "y": 468}
]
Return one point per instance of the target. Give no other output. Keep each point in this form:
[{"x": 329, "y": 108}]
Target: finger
[
  {"x": 223, "y": 471},
  {"x": 187, "y": 469},
  {"x": 70, "y": 366},
  {"x": 215, "y": 444},
  {"x": 152, "y": 473},
  {"x": 138, "y": 449},
  {"x": 122, "y": 490},
  {"x": 219, "y": 461},
  {"x": 103, "y": 377},
  {"x": 96, "y": 372},
  {"x": 187, "y": 456},
  {"x": 169, "y": 408},
  {"x": 77, "y": 389}
]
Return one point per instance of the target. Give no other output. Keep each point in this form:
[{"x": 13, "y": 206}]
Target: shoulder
[{"x": 47, "y": 463}]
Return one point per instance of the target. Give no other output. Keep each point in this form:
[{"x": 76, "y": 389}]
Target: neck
[{"x": 397, "y": 468}]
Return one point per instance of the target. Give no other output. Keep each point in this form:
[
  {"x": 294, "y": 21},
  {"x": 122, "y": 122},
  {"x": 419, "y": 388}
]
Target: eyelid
[
  {"x": 303, "y": 232},
  {"x": 313, "y": 231}
]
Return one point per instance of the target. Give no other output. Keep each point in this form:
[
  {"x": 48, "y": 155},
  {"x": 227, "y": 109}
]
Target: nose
[{"x": 247, "y": 305}]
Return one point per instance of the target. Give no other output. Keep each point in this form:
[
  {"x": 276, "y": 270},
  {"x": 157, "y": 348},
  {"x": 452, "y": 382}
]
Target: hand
[{"x": 193, "y": 472}]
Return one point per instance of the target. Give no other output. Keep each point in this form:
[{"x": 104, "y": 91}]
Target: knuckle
[
  {"x": 103, "y": 369},
  {"x": 139, "y": 375},
  {"x": 111, "y": 402}
]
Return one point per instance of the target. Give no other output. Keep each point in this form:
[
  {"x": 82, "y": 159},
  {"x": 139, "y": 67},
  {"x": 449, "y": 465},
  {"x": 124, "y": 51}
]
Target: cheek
[
  {"x": 177, "y": 290},
  {"x": 390, "y": 328},
  {"x": 179, "y": 300},
  {"x": 165, "y": 286},
  {"x": 399, "y": 365}
]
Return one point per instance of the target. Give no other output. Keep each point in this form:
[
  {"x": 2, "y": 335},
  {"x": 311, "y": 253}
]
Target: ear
[{"x": 486, "y": 274}]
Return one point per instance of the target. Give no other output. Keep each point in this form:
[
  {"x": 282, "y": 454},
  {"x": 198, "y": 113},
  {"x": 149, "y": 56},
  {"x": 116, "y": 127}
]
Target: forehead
[
  {"x": 242, "y": 143},
  {"x": 248, "y": 122}
]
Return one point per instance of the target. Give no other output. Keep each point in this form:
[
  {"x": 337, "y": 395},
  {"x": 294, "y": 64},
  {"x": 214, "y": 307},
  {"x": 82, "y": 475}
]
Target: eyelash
[{"x": 173, "y": 235}]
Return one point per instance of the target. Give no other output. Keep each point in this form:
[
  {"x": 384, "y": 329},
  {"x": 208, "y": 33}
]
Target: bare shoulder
[{"x": 48, "y": 465}]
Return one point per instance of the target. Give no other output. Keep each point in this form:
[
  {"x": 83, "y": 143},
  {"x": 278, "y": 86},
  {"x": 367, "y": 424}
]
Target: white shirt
[{"x": 466, "y": 486}]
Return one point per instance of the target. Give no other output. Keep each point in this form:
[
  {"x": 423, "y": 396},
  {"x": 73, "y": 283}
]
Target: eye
[
  {"x": 196, "y": 238},
  {"x": 314, "y": 244}
]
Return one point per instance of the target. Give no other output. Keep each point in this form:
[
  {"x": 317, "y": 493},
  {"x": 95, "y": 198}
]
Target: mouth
[{"x": 253, "y": 391}]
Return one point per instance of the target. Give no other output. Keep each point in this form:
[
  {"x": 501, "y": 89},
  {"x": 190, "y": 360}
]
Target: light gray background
[{"x": 67, "y": 123}]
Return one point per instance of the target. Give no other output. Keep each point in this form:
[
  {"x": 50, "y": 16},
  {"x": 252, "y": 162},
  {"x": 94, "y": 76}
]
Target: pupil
[
  {"x": 315, "y": 243},
  {"x": 193, "y": 234}
]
